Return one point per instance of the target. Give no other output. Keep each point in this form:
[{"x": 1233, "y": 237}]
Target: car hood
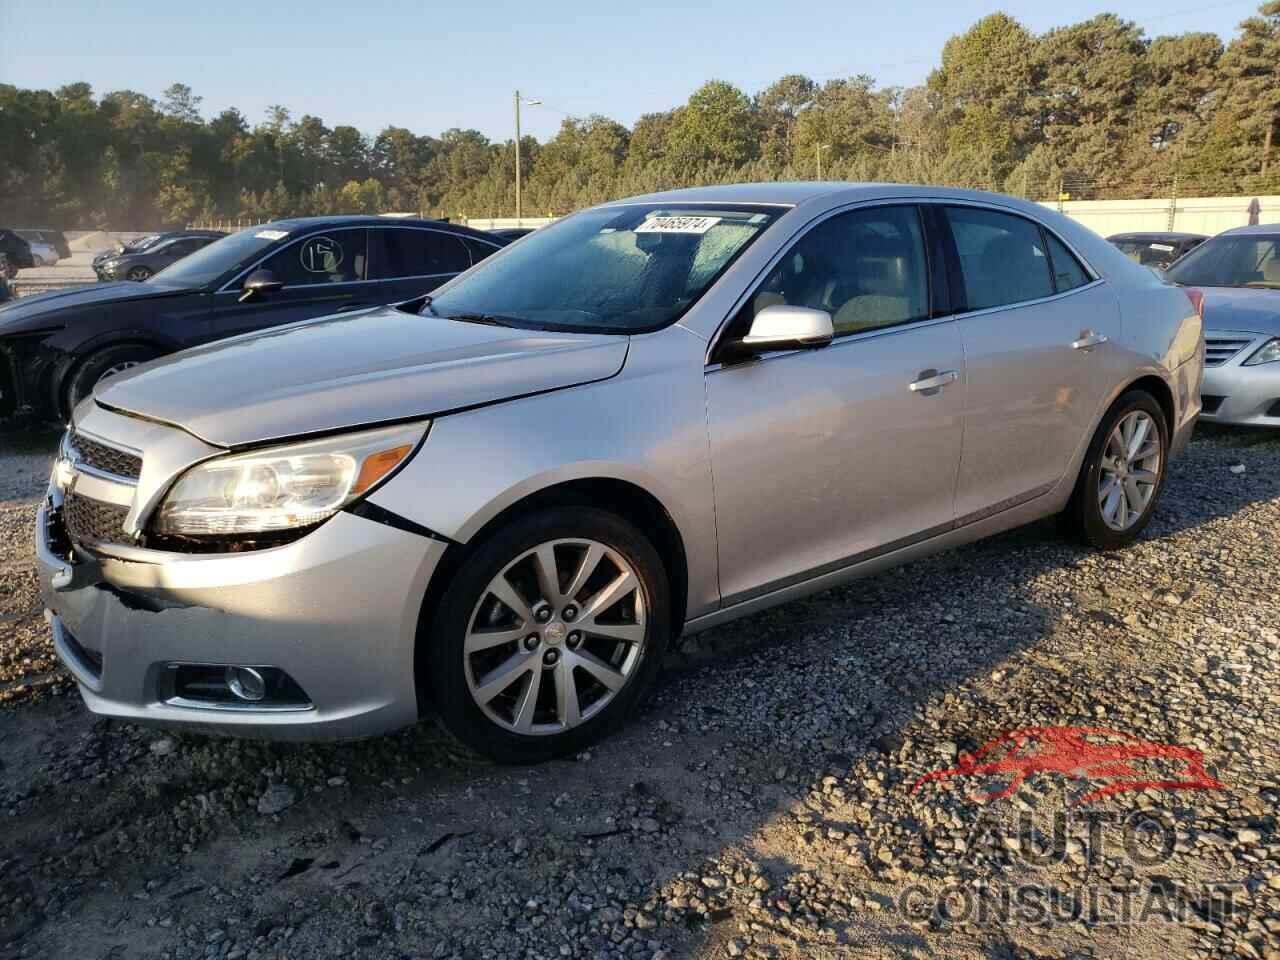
[
  {"x": 353, "y": 370},
  {"x": 41, "y": 310},
  {"x": 1241, "y": 309}
]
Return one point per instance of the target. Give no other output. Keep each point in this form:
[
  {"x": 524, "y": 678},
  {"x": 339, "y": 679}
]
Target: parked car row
[
  {"x": 144, "y": 258},
  {"x": 495, "y": 500}
]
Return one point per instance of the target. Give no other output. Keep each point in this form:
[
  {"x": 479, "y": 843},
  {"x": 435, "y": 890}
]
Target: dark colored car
[
  {"x": 15, "y": 252},
  {"x": 1156, "y": 249},
  {"x": 56, "y": 346},
  {"x": 166, "y": 250},
  {"x": 146, "y": 242},
  {"x": 512, "y": 233}
]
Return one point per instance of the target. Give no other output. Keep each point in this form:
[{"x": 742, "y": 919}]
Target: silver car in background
[
  {"x": 1236, "y": 276},
  {"x": 502, "y": 502}
]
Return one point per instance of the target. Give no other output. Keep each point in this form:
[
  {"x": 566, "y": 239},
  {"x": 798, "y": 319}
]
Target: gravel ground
[{"x": 760, "y": 806}]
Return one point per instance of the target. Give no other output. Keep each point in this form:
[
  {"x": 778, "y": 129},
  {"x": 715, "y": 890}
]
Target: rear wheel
[
  {"x": 1122, "y": 474},
  {"x": 100, "y": 366},
  {"x": 549, "y": 635}
]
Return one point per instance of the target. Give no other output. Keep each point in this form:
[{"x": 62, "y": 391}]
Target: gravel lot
[{"x": 760, "y": 806}]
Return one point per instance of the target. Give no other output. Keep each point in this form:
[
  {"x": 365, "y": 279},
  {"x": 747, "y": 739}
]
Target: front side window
[
  {"x": 1002, "y": 257},
  {"x": 1231, "y": 261},
  {"x": 418, "y": 253},
  {"x": 617, "y": 269},
  {"x": 336, "y": 256},
  {"x": 866, "y": 268}
]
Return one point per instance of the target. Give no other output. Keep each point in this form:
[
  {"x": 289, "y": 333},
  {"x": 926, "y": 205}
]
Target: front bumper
[
  {"x": 336, "y": 610},
  {"x": 1233, "y": 393}
]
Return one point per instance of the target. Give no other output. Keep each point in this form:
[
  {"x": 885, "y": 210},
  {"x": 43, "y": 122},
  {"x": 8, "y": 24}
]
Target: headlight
[
  {"x": 283, "y": 488},
  {"x": 1269, "y": 352}
]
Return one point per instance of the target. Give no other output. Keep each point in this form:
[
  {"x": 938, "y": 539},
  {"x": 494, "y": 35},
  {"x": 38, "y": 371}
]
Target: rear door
[
  {"x": 1039, "y": 334},
  {"x": 411, "y": 261},
  {"x": 323, "y": 273}
]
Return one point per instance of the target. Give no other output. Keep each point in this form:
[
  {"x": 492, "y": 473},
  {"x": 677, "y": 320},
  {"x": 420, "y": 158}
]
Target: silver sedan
[
  {"x": 502, "y": 503},
  {"x": 1237, "y": 276}
]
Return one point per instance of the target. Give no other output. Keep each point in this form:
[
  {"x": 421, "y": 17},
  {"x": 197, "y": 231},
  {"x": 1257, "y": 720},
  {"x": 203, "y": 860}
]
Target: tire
[
  {"x": 139, "y": 274},
  {"x": 99, "y": 366},
  {"x": 1093, "y": 514},
  {"x": 524, "y": 722}
]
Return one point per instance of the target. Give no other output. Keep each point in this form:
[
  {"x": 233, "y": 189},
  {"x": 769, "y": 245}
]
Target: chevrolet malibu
[{"x": 500, "y": 504}]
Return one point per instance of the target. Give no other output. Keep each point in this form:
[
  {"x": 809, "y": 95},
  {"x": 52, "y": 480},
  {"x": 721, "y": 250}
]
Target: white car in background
[{"x": 42, "y": 252}]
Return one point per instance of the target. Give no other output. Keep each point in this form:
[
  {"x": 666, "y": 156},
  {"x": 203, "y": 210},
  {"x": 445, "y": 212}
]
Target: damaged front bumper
[{"x": 335, "y": 611}]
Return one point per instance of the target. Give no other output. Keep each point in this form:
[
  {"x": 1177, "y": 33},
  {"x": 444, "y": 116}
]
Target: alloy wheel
[
  {"x": 1130, "y": 470},
  {"x": 139, "y": 274},
  {"x": 555, "y": 636},
  {"x": 115, "y": 368}
]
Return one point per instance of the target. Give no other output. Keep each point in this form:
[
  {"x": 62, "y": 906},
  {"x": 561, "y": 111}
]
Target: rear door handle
[
  {"x": 1088, "y": 340},
  {"x": 931, "y": 381}
]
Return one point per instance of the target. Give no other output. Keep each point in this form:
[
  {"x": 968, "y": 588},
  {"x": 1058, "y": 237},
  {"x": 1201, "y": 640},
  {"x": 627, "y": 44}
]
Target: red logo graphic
[{"x": 1086, "y": 753}]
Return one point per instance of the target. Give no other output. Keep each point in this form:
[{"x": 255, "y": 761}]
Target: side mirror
[
  {"x": 784, "y": 327},
  {"x": 258, "y": 283}
]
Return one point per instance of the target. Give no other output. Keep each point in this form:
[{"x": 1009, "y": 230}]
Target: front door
[
  {"x": 323, "y": 273},
  {"x": 1038, "y": 335},
  {"x": 825, "y": 457}
]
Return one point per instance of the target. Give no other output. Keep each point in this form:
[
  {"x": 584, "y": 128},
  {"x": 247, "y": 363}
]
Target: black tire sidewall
[
  {"x": 86, "y": 375},
  {"x": 1088, "y": 511},
  {"x": 444, "y": 630}
]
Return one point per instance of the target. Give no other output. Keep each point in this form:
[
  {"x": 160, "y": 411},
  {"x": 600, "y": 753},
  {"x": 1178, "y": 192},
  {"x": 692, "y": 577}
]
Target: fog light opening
[{"x": 246, "y": 683}]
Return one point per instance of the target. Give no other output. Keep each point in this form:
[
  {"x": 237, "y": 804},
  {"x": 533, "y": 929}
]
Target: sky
[{"x": 430, "y": 66}]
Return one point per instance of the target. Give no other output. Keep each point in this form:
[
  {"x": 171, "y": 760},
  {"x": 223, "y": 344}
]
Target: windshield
[
  {"x": 222, "y": 256},
  {"x": 619, "y": 269},
  {"x": 139, "y": 245},
  {"x": 1235, "y": 261}
]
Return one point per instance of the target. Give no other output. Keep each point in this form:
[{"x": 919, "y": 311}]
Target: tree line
[{"x": 1091, "y": 110}]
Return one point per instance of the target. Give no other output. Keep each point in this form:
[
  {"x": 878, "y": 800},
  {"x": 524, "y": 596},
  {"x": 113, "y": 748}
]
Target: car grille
[
  {"x": 94, "y": 521},
  {"x": 1218, "y": 351},
  {"x": 108, "y": 459}
]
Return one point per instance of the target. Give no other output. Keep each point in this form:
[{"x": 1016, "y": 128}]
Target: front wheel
[
  {"x": 100, "y": 366},
  {"x": 138, "y": 274},
  {"x": 1122, "y": 474},
  {"x": 549, "y": 635}
]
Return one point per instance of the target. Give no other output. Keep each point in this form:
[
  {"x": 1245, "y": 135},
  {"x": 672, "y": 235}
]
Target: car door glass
[
  {"x": 1002, "y": 257},
  {"x": 335, "y": 256},
  {"x": 1067, "y": 272},
  {"x": 419, "y": 253},
  {"x": 866, "y": 268},
  {"x": 479, "y": 249}
]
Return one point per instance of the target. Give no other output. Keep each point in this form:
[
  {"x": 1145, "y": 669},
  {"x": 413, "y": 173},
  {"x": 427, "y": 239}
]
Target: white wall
[
  {"x": 1207, "y": 215},
  {"x": 507, "y": 223}
]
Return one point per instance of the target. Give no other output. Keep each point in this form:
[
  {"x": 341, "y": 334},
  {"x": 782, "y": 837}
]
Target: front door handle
[
  {"x": 1088, "y": 340},
  {"x": 931, "y": 381}
]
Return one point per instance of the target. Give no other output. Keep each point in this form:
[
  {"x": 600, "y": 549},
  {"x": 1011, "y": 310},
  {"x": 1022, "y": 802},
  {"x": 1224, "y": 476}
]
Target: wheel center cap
[{"x": 554, "y": 633}]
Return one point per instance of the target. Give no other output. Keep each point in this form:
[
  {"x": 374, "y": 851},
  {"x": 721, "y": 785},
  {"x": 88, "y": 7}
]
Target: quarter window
[
  {"x": 866, "y": 268},
  {"x": 335, "y": 257},
  {"x": 1067, "y": 272},
  {"x": 1002, "y": 257},
  {"x": 419, "y": 253}
]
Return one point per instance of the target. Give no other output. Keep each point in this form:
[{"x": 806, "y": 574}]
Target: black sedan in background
[
  {"x": 15, "y": 253},
  {"x": 1156, "y": 249},
  {"x": 153, "y": 255},
  {"x": 55, "y": 347}
]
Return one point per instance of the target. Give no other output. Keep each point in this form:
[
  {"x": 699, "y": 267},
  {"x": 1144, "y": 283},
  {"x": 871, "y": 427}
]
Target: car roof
[
  {"x": 367, "y": 220},
  {"x": 1261, "y": 229},
  {"x": 1157, "y": 235},
  {"x": 790, "y": 194}
]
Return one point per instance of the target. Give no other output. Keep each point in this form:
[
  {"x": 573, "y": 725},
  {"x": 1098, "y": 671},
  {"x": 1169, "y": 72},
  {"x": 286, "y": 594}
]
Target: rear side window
[
  {"x": 1002, "y": 257},
  {"x": 337, "y": 256},
  {"x": 418, "y": 253},
  {"x": 479, "y": 249},
  {"x": 1067, "y": 272}
]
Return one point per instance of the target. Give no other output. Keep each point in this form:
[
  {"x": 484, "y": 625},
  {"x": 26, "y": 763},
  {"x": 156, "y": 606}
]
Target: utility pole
[
  {"x": 818, "y": 148},
  {"x": 532, "y": 103}
]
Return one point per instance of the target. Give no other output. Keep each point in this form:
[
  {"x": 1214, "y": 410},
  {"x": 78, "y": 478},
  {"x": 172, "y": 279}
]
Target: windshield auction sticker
[
  {"x": 271, "y": 234},
  {"x": 677, "y": 225}
]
